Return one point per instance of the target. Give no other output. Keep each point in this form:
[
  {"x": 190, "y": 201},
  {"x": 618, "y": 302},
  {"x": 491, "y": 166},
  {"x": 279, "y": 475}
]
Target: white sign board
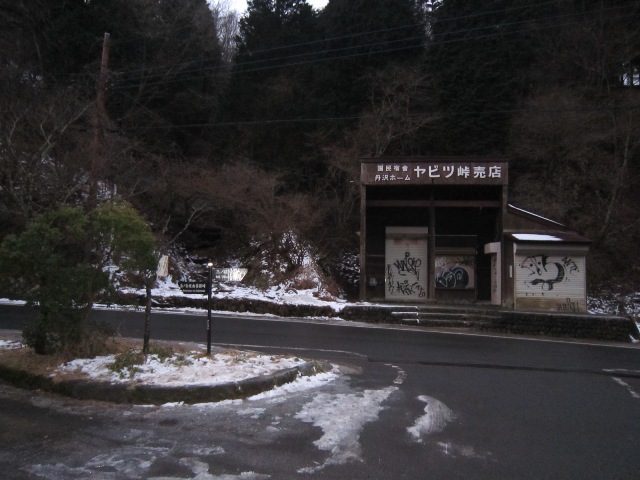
[
  {"x": 163, "y": 267},
  {"x": 229, "y": 274}
]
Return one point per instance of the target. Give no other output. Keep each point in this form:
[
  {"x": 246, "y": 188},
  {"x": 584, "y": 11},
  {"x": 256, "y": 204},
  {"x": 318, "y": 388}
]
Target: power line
[
  {"x": 181, "y": 128},
  {"x": 367, "y": 33},
  {"x": 293, "y": 58},
  {"x": 257, "y": 63},
  {"x": 373, "y": 32},
  {"x": 284, "y": 121},
  {"x": 392, "y": 29}
]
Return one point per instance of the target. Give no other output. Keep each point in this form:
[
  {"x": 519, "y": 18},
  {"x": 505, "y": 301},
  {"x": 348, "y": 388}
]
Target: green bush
[{"x": 58, "y": 265}]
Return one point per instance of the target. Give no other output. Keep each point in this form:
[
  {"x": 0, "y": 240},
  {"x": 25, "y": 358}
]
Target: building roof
[
  {"x": 523, "y": 226},
  {"x": 548, "y": 237}
]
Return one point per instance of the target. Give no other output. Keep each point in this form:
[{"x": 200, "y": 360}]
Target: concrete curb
[
  {"x": 575, "y": 326},
  {"x": 159, "y": 394}
]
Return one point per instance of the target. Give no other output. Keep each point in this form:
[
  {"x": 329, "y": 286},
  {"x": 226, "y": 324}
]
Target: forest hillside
[{"x": 229, "y": 132}]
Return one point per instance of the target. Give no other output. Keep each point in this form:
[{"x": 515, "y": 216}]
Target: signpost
[
  {"x": 229, "y": 274},
  {"x": 209, "y": 286},
  {"x": 200, "y": 288},
  {"x": 193, "y": 287}
]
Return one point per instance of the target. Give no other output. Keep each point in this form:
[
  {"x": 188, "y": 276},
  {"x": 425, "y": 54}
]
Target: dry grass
[{"x": 27, "y": 360}]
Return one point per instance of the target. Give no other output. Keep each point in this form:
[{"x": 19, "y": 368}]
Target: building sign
[{"x": 434, "y": 172}]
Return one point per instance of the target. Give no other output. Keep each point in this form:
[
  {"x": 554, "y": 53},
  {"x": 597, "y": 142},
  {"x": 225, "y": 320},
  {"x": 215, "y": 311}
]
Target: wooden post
[
  {"x": 149, "y": 281},
  {"x": 97, "y": 151},
  {"x": 363, "y": 243},
  {"x": 431, "y": 249}
]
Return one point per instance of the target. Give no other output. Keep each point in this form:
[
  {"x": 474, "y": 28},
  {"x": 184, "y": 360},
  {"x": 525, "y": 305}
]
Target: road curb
[{"x": 160, "y": 394}]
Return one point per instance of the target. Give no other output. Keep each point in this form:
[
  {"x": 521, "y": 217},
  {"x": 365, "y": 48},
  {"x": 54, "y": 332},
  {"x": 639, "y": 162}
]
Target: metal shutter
[
  {"x": 406, "y": 266},
  {"x": 547, "y": 281}
]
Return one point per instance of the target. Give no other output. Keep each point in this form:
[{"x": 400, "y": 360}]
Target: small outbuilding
[{"x": 440, "y": 229}]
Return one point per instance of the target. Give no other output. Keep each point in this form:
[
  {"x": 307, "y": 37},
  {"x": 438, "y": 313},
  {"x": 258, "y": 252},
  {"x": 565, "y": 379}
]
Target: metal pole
[{"x": 209, "y": 286}]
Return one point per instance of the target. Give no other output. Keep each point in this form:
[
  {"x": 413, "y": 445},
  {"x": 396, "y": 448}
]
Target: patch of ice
[
  {"x": 298, "y": 385},
  {"x": 131, "y": 464},
  {"x": 452, "y": 450},
  {"x": 201, "y": 472},
  {"x": 254, "y": 413}
]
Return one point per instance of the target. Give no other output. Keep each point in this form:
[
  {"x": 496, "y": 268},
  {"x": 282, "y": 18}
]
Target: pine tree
[{"x": 479, "y": 56}]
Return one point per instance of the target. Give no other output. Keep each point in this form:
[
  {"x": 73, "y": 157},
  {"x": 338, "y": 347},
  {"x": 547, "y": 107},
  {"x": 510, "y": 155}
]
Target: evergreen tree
[
  {"x": 167, "y": 71},
  {"x": 364, "y": 37},
  {"x": 269, "y": 100},
  {"x": 575, "y": 146},
  {"x": 479, "y": 56},
  {"x": 58, "y": 264}
]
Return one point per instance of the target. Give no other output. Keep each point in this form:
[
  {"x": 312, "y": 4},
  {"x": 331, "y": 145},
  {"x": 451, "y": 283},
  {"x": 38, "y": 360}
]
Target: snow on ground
[
  {"x": 342, "y": 418},
  {"x": 436, "y": 417},
  {"x": 9, "y": 344},
  {"x": 166, "y": 288},
  {"x": 194, "y": 368},
  {"x": 277, "y": 294}
]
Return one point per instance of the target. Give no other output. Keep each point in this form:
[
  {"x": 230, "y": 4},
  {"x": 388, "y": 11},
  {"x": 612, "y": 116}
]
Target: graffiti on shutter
[
  {"x": 552, "y": 282},
  {"x": 406, "y": 268}
]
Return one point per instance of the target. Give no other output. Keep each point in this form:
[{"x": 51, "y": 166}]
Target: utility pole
[{"x": 97, "y": 150}]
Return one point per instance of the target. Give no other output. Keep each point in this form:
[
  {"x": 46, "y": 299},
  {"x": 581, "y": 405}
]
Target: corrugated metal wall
[
  {"x": 406, "y": 266},
  {"x": 549, "y": 281}
]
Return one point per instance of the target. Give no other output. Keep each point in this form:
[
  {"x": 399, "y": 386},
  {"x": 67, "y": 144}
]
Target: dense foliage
[
  {"x": 58, "y": 263},
  {"x": 222, "y": 130}
]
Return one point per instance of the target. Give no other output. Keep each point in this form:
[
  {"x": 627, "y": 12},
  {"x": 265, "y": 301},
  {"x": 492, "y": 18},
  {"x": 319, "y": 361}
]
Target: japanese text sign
[{"x": 390, "y": 172}]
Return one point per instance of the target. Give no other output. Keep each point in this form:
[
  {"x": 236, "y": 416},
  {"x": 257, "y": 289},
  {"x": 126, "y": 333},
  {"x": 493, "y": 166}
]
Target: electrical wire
[{"x": 246, "y": 67}]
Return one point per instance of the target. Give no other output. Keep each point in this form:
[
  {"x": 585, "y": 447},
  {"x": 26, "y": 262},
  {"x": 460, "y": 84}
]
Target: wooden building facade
[{"x": 440, "y": 229}]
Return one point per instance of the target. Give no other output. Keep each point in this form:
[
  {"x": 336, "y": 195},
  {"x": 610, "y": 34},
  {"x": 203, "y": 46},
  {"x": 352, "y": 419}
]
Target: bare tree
[
  {"x": 398, "y": 115},
  {"x": 262, "y": 205},
  {"x": 393, "y": 114},
  {"x": 227, "y": 24},
  {"x": 42, "y": 150}
]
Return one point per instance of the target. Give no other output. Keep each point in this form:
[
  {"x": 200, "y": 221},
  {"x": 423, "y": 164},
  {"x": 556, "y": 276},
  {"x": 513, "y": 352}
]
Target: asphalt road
[{"x": 414, "y": 404}]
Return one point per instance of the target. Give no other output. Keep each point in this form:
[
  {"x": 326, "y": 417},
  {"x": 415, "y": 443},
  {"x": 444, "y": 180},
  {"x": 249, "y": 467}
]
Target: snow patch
[
  {"x": 300, "y": 384},
  {"x": 621, "y": 382},
  {"x": 342, "y": 418},
  {"x": 452, "y": 450},
  {"x": 536, "y": 237},
  {"x": 10, "y": 345},
  {"x": 124, "y": 465},
  {"x": 435, "y": 419},
  {"x": 183, "y": 369},
  {"x": 201, "y": 472}
]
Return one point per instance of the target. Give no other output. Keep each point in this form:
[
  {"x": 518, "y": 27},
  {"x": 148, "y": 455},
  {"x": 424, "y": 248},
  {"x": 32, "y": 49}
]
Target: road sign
[
  {"x": 193, "y": 287},
  {"x": 229, "y": 274}
]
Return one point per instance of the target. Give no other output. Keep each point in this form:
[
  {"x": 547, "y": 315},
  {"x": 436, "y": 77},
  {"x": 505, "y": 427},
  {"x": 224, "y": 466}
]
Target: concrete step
[{"x": 444, "y": 316}]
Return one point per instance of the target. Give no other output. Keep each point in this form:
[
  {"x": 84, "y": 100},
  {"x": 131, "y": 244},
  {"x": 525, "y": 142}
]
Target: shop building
[{"x": 441, "y": 230}]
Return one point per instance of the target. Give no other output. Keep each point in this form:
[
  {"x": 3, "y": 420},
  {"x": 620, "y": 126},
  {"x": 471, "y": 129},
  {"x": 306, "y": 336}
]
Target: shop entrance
[{"x": 424, "y": 224}]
